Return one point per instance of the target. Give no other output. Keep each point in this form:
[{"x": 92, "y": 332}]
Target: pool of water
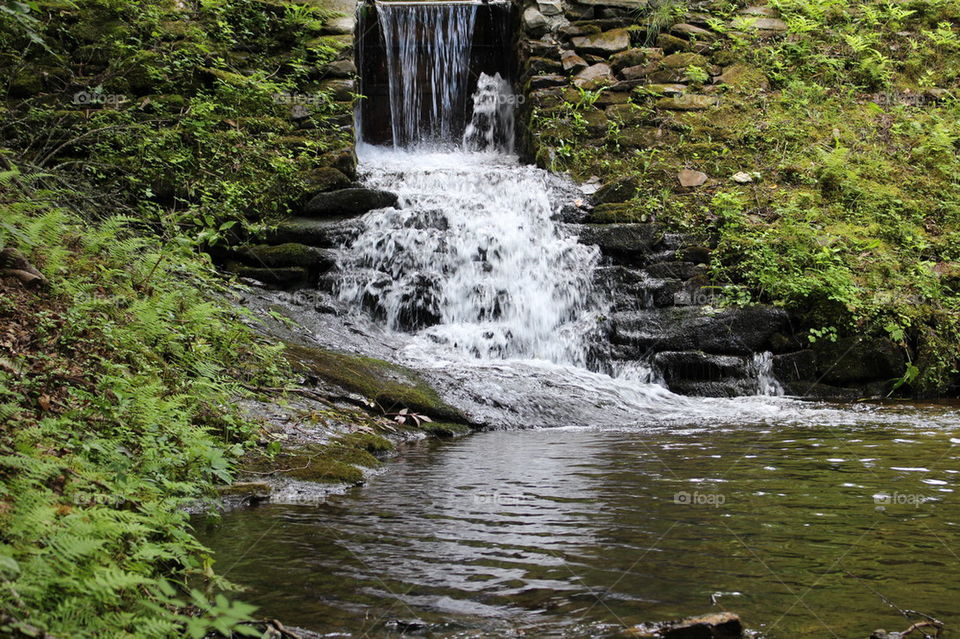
[{"x": 578, "y": 532}]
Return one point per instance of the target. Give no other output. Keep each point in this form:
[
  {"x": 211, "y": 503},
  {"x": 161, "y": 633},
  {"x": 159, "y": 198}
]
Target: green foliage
[
  {"x": 117, "y": 388},
  {"x": 187, "y": 113},
  {"x": 849, "y": 126}
]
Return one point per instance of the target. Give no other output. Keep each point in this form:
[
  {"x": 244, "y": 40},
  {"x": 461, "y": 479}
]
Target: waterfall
[
  {"x": 762, "y": 368},
  {"x": 428, "y": 61},
  {"x": 471, "y": 259}
]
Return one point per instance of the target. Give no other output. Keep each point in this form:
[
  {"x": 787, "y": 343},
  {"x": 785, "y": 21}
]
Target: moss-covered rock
[
  {"x": 289, "y": 254},
  {"x": 390, "y": 385},
  {"x": 325, "y": 178}
]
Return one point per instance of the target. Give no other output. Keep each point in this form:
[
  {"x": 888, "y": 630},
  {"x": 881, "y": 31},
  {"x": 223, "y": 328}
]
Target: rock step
[
  {"x": 288, "y": 254},
  {"x": 332, "y": 232},
  {"x": 351, "y": 201}
]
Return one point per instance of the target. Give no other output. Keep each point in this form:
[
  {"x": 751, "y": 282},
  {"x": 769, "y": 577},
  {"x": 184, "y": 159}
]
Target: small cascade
[
  {"x": 762, "y": 368},
  {"x": 428, "y": 60},
  {"x": 491, "y": 127},
  {"x": 471, "y": 258}
]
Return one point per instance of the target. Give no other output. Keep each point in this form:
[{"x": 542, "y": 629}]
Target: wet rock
[
  {"x": 280, "y": 276},
  {"x": 854, "y": 360},
  {"x": 675, "y": 269},
  {"x": 720, "y": 625},
  {"x": 327, "y": 233},
  {"x": 344, "y": 160},
  {"x": 738, "y": 331},
  {"x": 353, "y": 201},
  {"x": 541, "y": 48},
  {"x": 690, "y": 178},
  {"x": 534, "y": 22},
  {"x": 628, "y": 243},
  {"x": 605, "y": 43},
  {"x": 700, "y": 366},
  {"x": 614, "y": 213},
  {"x": 391, "y": 385},
  {"x": 572, "y": 63},
  {"x": 696, "y": 254},
  {"x": 289, "y": 254}
]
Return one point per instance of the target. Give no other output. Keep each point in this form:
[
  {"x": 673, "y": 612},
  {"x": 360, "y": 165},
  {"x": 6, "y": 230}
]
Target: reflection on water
[{"x": 575, "y": 532}]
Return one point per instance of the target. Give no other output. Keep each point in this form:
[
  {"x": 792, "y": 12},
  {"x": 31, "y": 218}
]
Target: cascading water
[
  {"x": 428, "y": 61},
  {"x": 471, "y": 262},
  {"x": 491, "y": 127}
]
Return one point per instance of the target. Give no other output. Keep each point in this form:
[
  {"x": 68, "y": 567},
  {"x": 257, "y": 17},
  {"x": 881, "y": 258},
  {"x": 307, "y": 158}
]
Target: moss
[
  {"x": 390, "y": 385},
  {"x": 441, "y": 429},
  {"x": 368, "y": 442}
]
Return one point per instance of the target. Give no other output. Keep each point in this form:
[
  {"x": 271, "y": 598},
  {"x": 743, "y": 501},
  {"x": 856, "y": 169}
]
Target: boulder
[
  {"x": 339, "y": 69},
  {"x": 534, "y": 22},
  {"x": 352, "y": 201},
  {"x": 605, "y": 43}
]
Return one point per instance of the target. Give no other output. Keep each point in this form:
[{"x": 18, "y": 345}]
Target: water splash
[
  {"x": 472, "y": 258},
  {"x": 762, "y": 368},
  {"x": 428, "y": 61},
  {"x": 491, "y": 127}
]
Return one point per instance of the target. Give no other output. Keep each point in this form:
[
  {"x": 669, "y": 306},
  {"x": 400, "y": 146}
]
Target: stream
[
  {"x": 592, "y": 501},
  {"x": 575, "y": 532}
]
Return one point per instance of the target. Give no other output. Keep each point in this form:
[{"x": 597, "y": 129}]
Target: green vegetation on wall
[{"x": 845, "y": 130}]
